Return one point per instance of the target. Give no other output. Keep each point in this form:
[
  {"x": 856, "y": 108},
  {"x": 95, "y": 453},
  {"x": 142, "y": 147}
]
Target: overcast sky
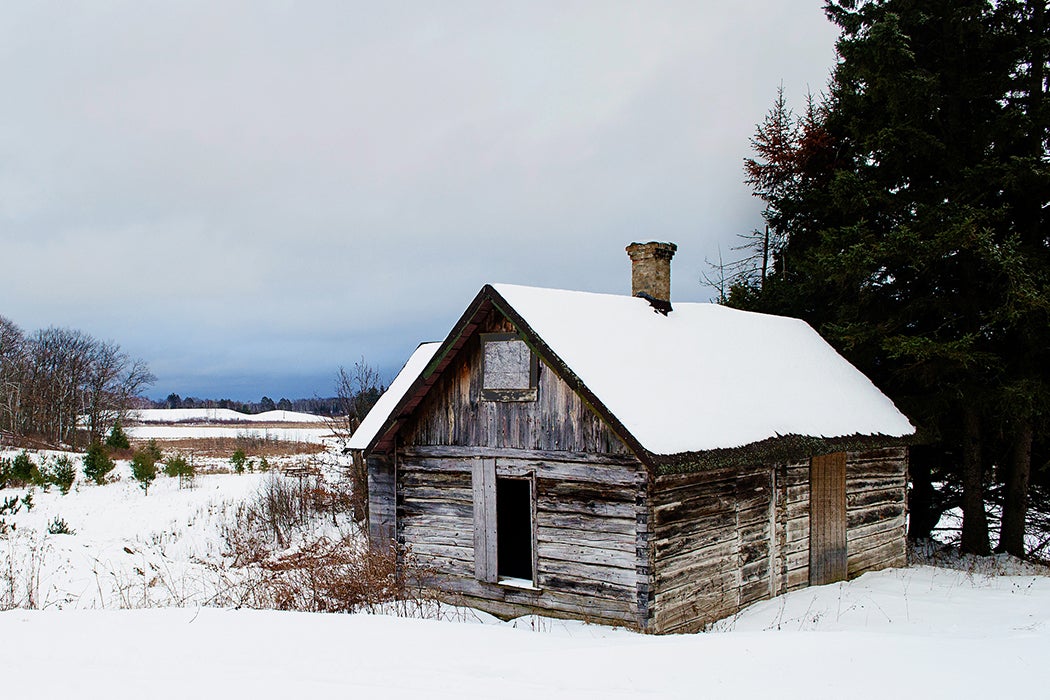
[{"x": 248, "y": 195}]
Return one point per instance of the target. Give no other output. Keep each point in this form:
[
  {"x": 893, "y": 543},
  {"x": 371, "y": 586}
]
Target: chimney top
[{"x": 651, "y": 272}]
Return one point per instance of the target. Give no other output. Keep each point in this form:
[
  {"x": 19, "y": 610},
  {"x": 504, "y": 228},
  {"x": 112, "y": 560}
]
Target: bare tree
[
  {"x": 357, "y": 391},
  {"x": 113, "y": 380},
  {"x": 12, "y": 356},
  {"x": 56, "y": 377}
]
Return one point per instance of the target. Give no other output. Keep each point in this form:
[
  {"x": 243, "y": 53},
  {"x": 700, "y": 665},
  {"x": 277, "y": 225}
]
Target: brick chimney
[{"x": 651, "y": 270}]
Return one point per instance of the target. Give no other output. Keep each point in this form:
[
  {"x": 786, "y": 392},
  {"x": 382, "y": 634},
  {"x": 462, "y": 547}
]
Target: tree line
[
  {"x": 906, "y": 213},
  {"x": 58, "y": 382},
  {"x": 320, "y": 406},
  {"x": 334, "y": 406}
]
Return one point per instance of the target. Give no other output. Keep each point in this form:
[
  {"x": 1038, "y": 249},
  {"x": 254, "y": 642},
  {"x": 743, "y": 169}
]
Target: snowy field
[
  {"x": 220, "y": 415},
  {"x": 183, "y": 423},
  {"x": 123, "y": 611}
]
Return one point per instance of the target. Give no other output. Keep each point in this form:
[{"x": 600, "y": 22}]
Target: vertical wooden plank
[
  {"x": 827, "y": 519},
  {"x": 381, "y": 502},
  {"x": 773, "y": 531},
  {"x": 483, "y": 478}
]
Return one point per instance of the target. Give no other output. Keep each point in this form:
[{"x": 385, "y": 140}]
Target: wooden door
[{"x": 827, "y": 519}]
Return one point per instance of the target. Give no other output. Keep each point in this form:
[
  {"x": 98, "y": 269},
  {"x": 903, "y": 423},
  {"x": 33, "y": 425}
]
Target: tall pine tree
[{"x": 909, "y": 205}]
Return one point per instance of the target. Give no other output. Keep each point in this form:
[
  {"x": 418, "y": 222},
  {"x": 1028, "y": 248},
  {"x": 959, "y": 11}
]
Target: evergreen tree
[
  {"x": 118, "y": 439},
  {"x": 144, "y": 469},
  {"x": 909, "y": 208},
  {"x": 97, "y": 463}
]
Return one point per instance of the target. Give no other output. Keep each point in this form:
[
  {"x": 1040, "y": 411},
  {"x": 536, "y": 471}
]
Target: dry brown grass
[{"x": 253, "y": 447}]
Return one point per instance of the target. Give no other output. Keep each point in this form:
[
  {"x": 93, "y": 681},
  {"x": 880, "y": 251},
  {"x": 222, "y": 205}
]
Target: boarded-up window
[
  {"x": 827, "y": 519},
  {"x": 509, "y": 369}
]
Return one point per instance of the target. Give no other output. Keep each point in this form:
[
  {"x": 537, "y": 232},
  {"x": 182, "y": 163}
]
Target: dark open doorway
[{"x": 514, "y": 528}]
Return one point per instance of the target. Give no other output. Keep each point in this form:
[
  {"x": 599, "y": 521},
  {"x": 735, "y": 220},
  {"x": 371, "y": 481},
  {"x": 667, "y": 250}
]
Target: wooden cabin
[{"x": 622, "y": 460}]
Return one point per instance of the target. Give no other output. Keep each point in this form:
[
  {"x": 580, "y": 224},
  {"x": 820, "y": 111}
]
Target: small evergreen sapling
[
  {"x": 59, "y": 526},
  {"x": 61, "y": 473},
  {"x": 97, "y": 463},
  {"x": 144, "y": 469},
  {"x": 23, "y": 470},
  {"x": 178, "y": 466},
  {"x": 154, "y": 449},
  {"x": 118, "y": 439},
  {"x": 239, "y": 460}
]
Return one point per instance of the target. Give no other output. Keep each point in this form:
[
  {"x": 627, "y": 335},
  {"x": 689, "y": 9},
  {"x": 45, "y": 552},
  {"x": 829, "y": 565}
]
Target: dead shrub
[
  {"x": 285, "y": 565},
  {"x": 325, "y": 575}
]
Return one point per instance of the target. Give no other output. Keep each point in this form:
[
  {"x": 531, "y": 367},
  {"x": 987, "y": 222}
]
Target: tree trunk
[
  {"x": 1015, "y": 494},
  {"x": 922, "y": 515},
  {"x": 975, "y": 519}
]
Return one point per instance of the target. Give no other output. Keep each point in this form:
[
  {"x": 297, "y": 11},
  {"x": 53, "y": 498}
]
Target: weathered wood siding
[
  {"x": 827, "y": 519},
  {"x": 711, "y": 545},
  {"x": 591, "y": 551},
  {"x": 723, "y": 539},
  {"x": 381, "y": 500},
  {"x": 875, "y": 509},
  {"x": 587, "y": 531},
  {"x": 454, "y": 414}
]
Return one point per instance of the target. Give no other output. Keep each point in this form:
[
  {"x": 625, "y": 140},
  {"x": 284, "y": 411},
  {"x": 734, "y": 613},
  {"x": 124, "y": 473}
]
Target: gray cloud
[{"x": 262, "y": 191}]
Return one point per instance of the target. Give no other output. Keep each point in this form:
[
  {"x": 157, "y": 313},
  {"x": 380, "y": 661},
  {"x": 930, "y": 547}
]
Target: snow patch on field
[
  {"x": 220, "y": 415},
  {"x": 905, "y": 632}
]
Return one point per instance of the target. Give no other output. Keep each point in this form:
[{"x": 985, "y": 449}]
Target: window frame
[
  {"x": 485, "y": 471},
  {"x": 507, "y": 395}
]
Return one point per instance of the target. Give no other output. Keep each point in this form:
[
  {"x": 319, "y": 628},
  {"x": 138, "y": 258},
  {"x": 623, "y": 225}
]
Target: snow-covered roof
[
  {"x": 703, "y": 377},
  {"x": 386, "y": 403}
]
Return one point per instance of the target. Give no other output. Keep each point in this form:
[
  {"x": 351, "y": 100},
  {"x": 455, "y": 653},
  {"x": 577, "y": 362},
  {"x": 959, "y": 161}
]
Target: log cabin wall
[
  {"x": 590, "y": 535},
  {"x": 711, "y": 545},
  {"x": 876, "y": 509},
  {"x": 723, "y": 539}
]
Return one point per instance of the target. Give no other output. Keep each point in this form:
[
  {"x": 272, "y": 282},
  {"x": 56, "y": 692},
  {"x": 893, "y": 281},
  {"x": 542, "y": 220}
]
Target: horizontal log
[
  {"x": 890, "y": 554},
  {"x": 498, "y": 452},
  {"x": 440, "y": 493},
  {"x": 688, "y": 540},
  {"x": 507, "y": 602},
  {"x": 603, "y": 509},
  {"x": 412, "y": 507},
  {"x": 698, "y": 572},
  {"x": 868, "y": 516},
  {"x": 589, "y": 490},
  {"x": 591, "y": 538},
  {"x": 876, "y": 484},
  {"x": 435, "y": 551},
  {"x": 898, "y": 456},
  {"x": 872, "y": 497},
  {"x": 694, "y": 614},
  {"x": 597, "y": 556},
  {"x": 757, "y": 551},
  {"x": 892, "y": 527},
  {"x": 588, "y": 587},
  {"x": 580, "y": 521},
  {"x": 583, "y": 572},
  {"x": 441, "y": 565}
]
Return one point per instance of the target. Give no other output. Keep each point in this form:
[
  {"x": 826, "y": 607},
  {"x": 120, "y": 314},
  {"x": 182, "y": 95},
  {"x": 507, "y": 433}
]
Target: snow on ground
[
  {"x": 908, "y": 632},
  {"x": 182, "y": 423},
  {"x": 128, "y": 548},
  {"x": 915, "y": 633}
]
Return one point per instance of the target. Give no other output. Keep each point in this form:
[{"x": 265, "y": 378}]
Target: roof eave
[{"x": 774, "y": 450}]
